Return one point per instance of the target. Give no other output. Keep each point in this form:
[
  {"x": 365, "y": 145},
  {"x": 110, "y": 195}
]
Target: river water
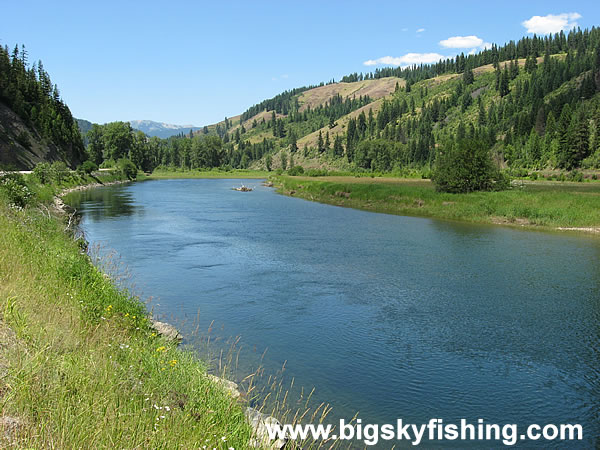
[{"x": 388, "y": 316}]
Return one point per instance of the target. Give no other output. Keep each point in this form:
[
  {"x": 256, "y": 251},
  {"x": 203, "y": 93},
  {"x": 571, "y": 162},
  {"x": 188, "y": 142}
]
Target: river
[{"x": 388, "y": 316}]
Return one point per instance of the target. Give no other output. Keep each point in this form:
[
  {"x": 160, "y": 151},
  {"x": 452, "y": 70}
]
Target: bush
[
  {"x": 59, "y": 171},
  {"x": 87, "y": 167},
  {"x": 575, "y": 175},
  {"x": 43, "y": 173},
  {"x": 15, "y": 189},
  {"x": 317, "y": 172},
  {"x": 127, "y": 168},
  {"x": 296, "y": 170},
  {"x": 467, "y": 166}
]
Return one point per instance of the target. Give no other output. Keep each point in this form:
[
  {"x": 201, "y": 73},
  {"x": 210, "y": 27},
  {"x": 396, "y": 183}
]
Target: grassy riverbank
[
  {"x": 547, "y": 204},
  {"x": 80, "y": 367},
  {"x": 214, "y": 173}
]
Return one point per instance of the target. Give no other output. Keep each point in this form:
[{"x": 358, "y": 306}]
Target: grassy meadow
[{"x": 543, "y": 204}]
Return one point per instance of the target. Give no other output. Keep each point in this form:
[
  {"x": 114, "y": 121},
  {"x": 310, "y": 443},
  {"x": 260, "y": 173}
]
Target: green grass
[
  {"x": 85, "y": 370},
  {"x": 540, "y": 204},
  {"x": 215, "y": 173}
]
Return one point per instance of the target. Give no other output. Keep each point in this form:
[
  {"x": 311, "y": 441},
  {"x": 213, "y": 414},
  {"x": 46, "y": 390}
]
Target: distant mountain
[
  {"x": 161, "y": 130},
  {"x": 84, "y": 125}
]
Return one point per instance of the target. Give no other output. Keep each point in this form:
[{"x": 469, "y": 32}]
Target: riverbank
[
  {"x": 80, "y": 364},
  {"x": 545, "y": 205}
]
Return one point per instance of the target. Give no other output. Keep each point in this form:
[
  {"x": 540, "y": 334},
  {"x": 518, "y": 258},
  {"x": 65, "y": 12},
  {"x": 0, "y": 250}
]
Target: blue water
[{"x": 389, "y": 316}]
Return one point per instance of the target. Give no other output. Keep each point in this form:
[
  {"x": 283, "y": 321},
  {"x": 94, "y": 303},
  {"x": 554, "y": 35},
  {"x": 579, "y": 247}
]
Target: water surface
[{"x": 394, "y": 317}]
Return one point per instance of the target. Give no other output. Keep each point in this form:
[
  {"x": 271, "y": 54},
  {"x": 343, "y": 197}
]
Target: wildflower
[
  {"x": 167, "y": 408},
  {"x": 109, "y": 308},
  {"x": 126, "y": 314},
  {"x": 153, "y": 334},
  {"x": 173, "y": 362},
  {"x": 161, "y": 349},
  {"x": 223, "y": 438}
]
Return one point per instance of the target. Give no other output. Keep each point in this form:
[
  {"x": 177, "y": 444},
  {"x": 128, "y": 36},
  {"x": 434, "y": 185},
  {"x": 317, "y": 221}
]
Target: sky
[{"x": 196, "y": 62}]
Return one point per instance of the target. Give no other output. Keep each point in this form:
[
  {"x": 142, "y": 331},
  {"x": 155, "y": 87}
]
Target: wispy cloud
[
  {"x": 420, "y": 30},
  {"x": 462, "y": 42},
  {"x": 406, "y": 60},
  {"x": 551, "y": 23},
  {"x": 281, "y": 77}
]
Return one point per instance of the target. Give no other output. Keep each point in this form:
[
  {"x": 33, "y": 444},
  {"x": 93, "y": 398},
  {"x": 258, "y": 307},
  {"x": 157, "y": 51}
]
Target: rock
[
  {"x": 260, "y": 437},
  {"x": 167, "y": 330},
  {"x": 229, "y": 386}
]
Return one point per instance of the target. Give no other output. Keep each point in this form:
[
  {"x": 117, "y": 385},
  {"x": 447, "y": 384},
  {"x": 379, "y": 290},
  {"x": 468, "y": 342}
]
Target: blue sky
[{"x": 196, "y": 62}]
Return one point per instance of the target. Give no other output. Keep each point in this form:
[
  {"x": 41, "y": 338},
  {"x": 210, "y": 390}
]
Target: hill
[
  {"x": 35, "y": 124},
  {"x": 161, "y": 130},
  {"x": 534, "y": 103}
]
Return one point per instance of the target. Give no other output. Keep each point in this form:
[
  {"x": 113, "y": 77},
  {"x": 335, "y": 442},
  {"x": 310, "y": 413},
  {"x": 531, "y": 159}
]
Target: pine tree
[
  {"x": 338, "y": 146},
  {"x": 504, "y": 89},
  {"x": 468, "y": 76},
  {"x": 531, "y": 64},
  {"x": 320, "y": 145}
]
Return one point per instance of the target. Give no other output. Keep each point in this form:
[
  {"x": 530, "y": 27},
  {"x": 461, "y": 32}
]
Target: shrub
[
  {"x": 296, "y": 170},
  {"x": 15, "y": 189},
  {"x": 317, "y": 172},
  {"x": 127, "y": 168},
  {"x": 59, "y": 171},
  {"x": 43, "y": 173},
  {"x": 575, "y": 175},
  {"x": 467, "y": 166},
  {"x": 87, "y": 167}
]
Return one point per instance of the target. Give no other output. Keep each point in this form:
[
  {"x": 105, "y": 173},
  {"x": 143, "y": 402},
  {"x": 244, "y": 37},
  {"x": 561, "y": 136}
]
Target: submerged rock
[{"x": 260, "y": 435}]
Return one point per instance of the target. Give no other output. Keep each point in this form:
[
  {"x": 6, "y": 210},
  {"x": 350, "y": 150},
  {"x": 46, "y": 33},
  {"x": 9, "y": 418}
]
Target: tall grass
[
  {"x": 87, "y": 370},
  {"x": 543, "y": 204}
]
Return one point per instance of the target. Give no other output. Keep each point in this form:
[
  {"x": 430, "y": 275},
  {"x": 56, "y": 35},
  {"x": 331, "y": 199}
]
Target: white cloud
[
  {"x": 486, "y": 46},
  {"x": 420, "y": 30},
  {"x": 407, "y": 60},
  {"x": 462, "y": 42},
  {"x": 551, "y": 23}
]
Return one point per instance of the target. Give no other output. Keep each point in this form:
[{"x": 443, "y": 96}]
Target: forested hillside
[
  {"x": 35, "y": 124},
  {"x": 534, "y": 103}
]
